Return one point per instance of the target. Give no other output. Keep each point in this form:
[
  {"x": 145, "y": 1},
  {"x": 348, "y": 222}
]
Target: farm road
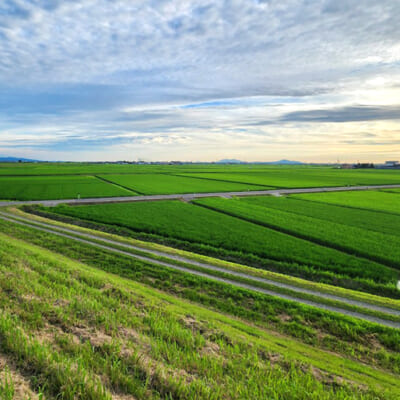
[
  {"x": 106, "y": 244},
  {"x": 192, "y": 196}
]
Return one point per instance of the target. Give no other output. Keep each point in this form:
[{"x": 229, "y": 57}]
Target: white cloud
[{"x": 134, "y": 72}]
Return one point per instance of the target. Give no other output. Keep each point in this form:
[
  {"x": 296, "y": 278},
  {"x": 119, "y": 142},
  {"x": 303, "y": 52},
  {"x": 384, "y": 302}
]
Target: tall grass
[{"x": 98, "y": 335}]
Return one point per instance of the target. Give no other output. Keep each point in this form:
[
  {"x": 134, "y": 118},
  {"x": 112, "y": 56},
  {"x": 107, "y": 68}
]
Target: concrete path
[
  {"x": 192, "y": 196},
  {"x": 94, "y": 240}
]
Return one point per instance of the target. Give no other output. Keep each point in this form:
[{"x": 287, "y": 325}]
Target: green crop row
[
  {"x": 209, "y": 231},
  {"x": 370, "y": 200},
  {"x": 298, "y": 177},
  {"x": 365, "y": 219},
  {"x": 368, "y": 244},
  {"x": 61, "y": 187},
  {"x": 225, "y": 272},
  {"x": 169, "y": 184}
]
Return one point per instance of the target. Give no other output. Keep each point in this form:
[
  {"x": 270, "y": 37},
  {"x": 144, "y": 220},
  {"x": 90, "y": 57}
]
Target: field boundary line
[
  {"x": 343, "y": 249},
  {"x": 116, "y": 184}
]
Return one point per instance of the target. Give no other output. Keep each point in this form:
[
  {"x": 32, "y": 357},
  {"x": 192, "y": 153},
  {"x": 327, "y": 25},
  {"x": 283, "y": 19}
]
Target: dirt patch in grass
[
  {"x": 284, "y": 317},
  {"x": 22, "y": 390},
  {"x": 61, "y": 303},
  {"x": 95, "y": 337},
  {"x": 211, "y": 349},
  {"x": 330, "y": 379},
  {"x": 191, "y": 323},
  {"x": 122, "y": 397},
  {"x": 373, "y": 341}
]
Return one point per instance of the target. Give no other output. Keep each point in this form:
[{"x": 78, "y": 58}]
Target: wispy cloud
[{"x": 197, "y": 80}]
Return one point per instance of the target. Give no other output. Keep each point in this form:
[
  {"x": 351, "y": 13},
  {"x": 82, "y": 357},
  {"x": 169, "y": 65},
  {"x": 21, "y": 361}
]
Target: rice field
[
  {"x": 60, "y": 187},
  {"x": 213, "y": 232},
  {"x": 150, "y": 184},
  {"x": 382, "y": 201}
]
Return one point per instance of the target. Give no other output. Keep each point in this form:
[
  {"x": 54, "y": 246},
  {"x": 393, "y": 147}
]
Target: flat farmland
[
  {"x": 169, "y": 184},
  {"x": 382, "y": 201},
  {"x": 23, "y": 169},
  {"x": 384, "y": 248},
  {"x": 304, "y": 177},
  {"x": 61, "y": 187},
  {"x": 366, "y": 219},
  {"x": 196, "y": 228}
]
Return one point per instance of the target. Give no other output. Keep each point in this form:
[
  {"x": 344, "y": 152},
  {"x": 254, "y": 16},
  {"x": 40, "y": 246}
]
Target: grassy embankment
[
  {"x": 364, "y": 341},
  {"x": 78, "y": 332}
]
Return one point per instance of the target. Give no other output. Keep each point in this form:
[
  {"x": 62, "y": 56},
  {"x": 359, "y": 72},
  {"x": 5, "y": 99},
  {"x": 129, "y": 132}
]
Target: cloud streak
[{"x": 223, "y": 74}]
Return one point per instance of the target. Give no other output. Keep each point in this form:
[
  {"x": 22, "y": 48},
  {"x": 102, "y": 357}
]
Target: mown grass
[
  {"x": 317, "y": 327},
  {"x": 209, "y": 232},
  {"x": 85, "y": 334}
]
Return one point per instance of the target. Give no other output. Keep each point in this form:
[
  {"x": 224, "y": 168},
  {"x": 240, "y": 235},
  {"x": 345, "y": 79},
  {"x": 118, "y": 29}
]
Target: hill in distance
[
  {"x": 280, "y": 162},
  {"x": 16, "y": 159}
]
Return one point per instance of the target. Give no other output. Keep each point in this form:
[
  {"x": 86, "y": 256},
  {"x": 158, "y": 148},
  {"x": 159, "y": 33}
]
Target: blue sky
[{"x": 200, "y": 80}]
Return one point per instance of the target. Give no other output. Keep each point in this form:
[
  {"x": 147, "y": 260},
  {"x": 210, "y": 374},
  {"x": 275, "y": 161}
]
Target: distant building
[
  {"x": 346, "y": 166},
  {"x": 392, "y": 164},
  {"x": 364, "y": 165}
]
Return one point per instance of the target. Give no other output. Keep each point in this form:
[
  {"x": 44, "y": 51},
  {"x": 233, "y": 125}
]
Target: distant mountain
[
  {"x": 230, "y": 161},
  {"x": 280, "y": 162},
  {"x": 285, "y": 162},
  {"x": 16, "y": 159}
]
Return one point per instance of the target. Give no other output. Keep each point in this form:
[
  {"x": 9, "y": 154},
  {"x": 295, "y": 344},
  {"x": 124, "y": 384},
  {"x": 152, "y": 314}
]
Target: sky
[{"x": 256, "y": 80}]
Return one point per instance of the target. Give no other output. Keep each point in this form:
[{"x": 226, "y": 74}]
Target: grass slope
[
  {"x": 362, "y": 340},
  {"x": 81, "y": 333}
]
